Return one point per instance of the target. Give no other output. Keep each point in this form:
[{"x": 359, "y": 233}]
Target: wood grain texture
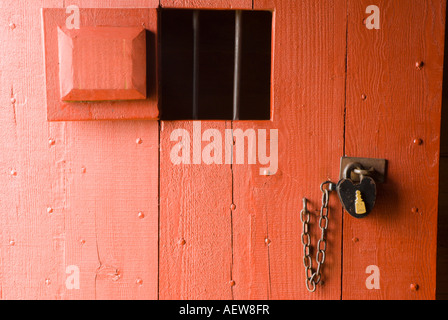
[
  {"x": 103, "y": 205},
  {"x": 444, "y": 126},
  {"x": 195, "y": 204},
  {"x": 307, "y": 104},
  {"x": 403, "y": 104},
  {"x": 29, "y": 238},
  {"x": 53, "y": 213}
]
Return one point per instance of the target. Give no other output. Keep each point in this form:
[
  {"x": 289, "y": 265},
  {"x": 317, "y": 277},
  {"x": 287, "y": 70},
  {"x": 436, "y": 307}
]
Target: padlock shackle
[{"x": 351, "y": 167}]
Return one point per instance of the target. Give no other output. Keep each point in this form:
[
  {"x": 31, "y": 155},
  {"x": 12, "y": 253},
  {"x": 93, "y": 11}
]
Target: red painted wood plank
[
  {"x": 29, "y": 238},
  {"x": 72, "y": 191},
  {"x": 114, "y": 191},
  {"x": 111, "y": 210},
  {"x": 195, "y": 221},
  {"x": 307, "y": 109},
  {"x": 402, "y": 104},
  {"x": 195, "y": 216}
]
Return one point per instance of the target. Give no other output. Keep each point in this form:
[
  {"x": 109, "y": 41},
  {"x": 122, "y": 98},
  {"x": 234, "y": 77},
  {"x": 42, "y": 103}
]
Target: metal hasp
[{"x": 352, "y": 168}]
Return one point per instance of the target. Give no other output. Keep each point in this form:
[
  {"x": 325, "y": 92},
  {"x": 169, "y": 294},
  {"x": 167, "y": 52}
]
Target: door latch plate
[{"x": 379, "y": 166}]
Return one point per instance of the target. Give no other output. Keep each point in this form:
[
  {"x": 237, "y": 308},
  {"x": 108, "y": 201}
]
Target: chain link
[{"x": 314, "y": 278}]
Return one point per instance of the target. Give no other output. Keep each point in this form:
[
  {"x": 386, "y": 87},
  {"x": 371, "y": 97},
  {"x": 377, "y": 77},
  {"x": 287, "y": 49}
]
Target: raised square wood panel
[
  {"x": 102, "y": 63},
  {"x": 76, "y": 101}
]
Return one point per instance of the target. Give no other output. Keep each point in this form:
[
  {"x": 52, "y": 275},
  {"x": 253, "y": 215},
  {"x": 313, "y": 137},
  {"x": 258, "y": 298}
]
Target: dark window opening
[{"x": 215, "y": 65}]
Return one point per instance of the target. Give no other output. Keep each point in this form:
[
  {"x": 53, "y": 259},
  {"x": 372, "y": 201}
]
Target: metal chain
[{"x": 313, "y": 279}]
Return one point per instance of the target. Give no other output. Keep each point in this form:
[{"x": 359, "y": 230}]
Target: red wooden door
[
  {"x": 104, "y": 196},
  {"x": 338, "y": 88}
]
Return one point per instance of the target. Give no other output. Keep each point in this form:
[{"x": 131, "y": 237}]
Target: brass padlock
[{"x": 357, "y": 189}]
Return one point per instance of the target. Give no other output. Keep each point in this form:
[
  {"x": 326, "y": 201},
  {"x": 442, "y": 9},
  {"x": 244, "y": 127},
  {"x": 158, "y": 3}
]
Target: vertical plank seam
[
  {"x": 269, "y": 288},
  {"x": 158, "y": 213},
  {"x": 343, "y": 142},
  {"x": 14, "y": 108},
  {"x": 159, "y": 233},
  {"x": 98, "y": 255}
]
